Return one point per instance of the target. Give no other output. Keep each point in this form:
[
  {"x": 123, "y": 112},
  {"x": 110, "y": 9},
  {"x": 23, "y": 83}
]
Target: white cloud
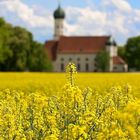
[
  {"x": 36, "y": 19},
  {"x": 94, "y": 21},
  {"x": 115, "y": 17},
  {"x": 27, "y": 14},
  {"x": 85, "y": 20},
  {"x": 121, "y": 5}
]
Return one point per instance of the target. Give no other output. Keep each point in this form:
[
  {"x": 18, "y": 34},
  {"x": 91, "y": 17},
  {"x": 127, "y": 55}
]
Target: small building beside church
[{"x": 81, "y": 50}]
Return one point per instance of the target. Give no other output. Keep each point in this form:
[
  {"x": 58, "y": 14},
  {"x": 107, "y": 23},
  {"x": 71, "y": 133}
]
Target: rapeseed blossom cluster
[{"x": 72, "y": 114}]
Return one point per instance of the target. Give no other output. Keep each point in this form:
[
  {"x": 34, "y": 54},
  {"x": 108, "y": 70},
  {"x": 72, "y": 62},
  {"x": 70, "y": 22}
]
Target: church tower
[
  {"x": 111, "y": 47},
  {"x": 59, "y": 16}
]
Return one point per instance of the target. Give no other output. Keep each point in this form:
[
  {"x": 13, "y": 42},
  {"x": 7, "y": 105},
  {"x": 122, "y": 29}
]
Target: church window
[
  {"x": 62, "y": 59},
  {"x": 62, "y": 67},
  {"x": 78, "y": 67},
  {"x": 78, "y": 59},
  {"x": 115, "y": 68},
  {"x": 87, "y": 67}
]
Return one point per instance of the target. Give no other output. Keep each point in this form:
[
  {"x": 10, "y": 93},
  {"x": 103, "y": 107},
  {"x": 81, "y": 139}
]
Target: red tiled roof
[
  {"x": 79, "y": 44},
  {"x": 76, "y": 44},
  {"x": 118, "y": 60},
  {"x": 51, "y": 47}
]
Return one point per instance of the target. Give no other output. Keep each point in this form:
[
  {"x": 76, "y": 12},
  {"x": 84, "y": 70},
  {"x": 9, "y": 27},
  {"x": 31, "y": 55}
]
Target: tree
[
  {"x": 38, "y": 60},
  {"x": 121, "y": 52},
  {"x": 102, "y": 60},
  {"x": 19, "y": 52},
  {"x": 2, "y": 22},
  {"x": 5, "y": 52},
  {"x": 19, "y": 43},
  {"x": 132, "y": 50}
]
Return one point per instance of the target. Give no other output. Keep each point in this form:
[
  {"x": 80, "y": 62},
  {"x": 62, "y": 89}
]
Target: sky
[{"x": 119, "y": 18}]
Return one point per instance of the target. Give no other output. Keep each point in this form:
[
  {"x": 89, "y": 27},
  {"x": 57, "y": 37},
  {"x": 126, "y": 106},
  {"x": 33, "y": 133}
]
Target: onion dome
[{"x": 59, "y": 13}]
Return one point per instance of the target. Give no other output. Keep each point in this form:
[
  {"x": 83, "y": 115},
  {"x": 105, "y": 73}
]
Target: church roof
[
  {"x": 51, "y": 47},
  {"x": 82, "y": 44},
  {"x": 76, "y": 44},
  {"x": 118, "y": 60}
]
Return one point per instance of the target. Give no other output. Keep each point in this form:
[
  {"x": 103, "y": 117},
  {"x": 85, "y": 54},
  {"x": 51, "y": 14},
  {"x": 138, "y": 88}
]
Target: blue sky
[{"x": 119, "y": 18}]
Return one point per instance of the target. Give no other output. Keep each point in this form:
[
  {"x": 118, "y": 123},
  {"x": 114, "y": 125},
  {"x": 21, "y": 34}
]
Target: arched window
[
  {"x": 78, "y": 67},
  {"x": 70, "y": 59},
  {"x": 87, "y": 67},
  {"x": 62, "y": 59},
  {"x": 62, "y": 67},
  {"x": 78, "y": 59},
  {"x": 95, "y": 59},
  {"x": 95, "y": 65}
]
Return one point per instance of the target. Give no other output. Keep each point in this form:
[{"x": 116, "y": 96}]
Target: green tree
[
  {"x": 5, "y": 52},
  {"x": 38, "y": 60},
  {"x": 19, "y": 52},
  {"x": 102, "y": 60},
  {"x": 122, "y": 52},
  {"x": 19, "y": 43},
  {"x": 132, "y": 50}
]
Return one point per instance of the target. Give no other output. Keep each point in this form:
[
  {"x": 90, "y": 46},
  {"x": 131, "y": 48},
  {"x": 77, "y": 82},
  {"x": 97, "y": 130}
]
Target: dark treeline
[
  {"x": 19, "y": 52},
  {"x": 130, "y": 52}
]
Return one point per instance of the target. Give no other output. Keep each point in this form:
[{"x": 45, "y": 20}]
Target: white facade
[
  {"x": 84, "y": 62},
  {"x": 120, "y": 68},
  {"x": 58, "y": 28}
]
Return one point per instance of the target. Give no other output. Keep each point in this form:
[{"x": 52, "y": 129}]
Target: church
[{"x": 81, "y": 50}]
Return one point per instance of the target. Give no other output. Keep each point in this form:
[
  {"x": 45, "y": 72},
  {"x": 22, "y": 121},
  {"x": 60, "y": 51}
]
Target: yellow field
[
  {"x": 59, "y": 106},
  {"x": 54, "y": 81}
]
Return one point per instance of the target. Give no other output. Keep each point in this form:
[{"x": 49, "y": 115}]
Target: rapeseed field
[{"x": 69, "y": 106}]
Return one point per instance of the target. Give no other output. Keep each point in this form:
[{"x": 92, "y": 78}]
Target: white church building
[{"x": 81, "y": 50}]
